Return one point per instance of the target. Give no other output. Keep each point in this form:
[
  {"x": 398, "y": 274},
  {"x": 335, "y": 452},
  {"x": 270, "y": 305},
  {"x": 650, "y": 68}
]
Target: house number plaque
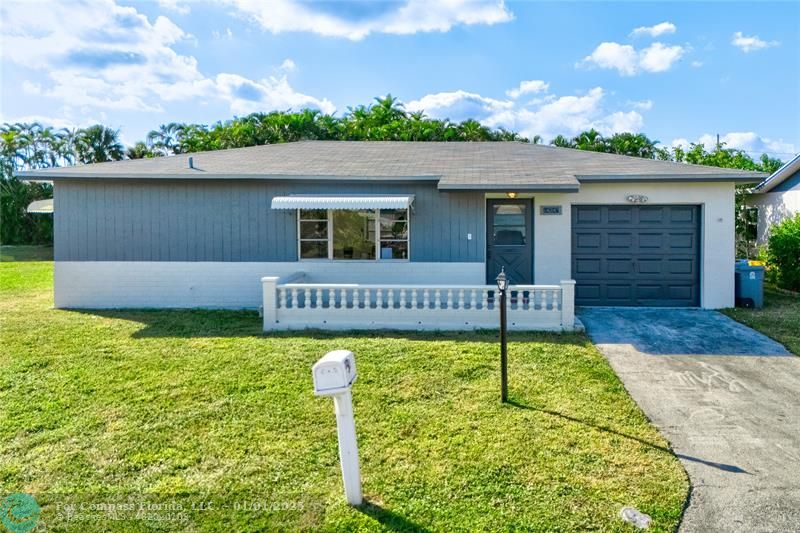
[
  {"x": 637, "y": 198},
  {"x": 550, "y": 210}
]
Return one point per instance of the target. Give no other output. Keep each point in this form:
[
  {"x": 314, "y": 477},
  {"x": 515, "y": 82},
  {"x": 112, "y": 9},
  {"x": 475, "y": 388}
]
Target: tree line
[{"x": 34, "y": 146}]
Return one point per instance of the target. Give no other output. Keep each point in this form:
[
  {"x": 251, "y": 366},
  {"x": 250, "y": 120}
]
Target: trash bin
[{"x": 749, "y": 284}]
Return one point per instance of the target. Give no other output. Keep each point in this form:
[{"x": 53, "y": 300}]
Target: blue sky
[{"x": 679, "y": 72}]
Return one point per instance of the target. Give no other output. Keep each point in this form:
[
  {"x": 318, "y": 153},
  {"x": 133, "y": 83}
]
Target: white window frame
[
  {"x": 300, "y": 240},
  {"x": 329, "y": 213}
]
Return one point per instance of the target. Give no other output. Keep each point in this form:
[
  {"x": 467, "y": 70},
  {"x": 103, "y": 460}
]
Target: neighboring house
[
  {"x": 775, "y": 199},
  {"x": 394, "y": 234}
]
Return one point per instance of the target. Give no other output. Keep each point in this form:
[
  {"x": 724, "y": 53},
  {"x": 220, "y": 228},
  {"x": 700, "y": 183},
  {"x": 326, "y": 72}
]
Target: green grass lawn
[
  {"x": 26, "y": 253},
  {"x": 779, "y": 318},
  {"x": 183, "y": 407}
]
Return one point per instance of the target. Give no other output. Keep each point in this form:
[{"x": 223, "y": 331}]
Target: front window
[
  {"x": 365, "y": 235},
  {"x": 353, "y": 234}
]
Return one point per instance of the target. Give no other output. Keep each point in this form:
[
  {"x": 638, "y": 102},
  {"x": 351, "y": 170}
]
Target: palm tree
[
  {"x": 472, "y": 130},
  {"x": 67, "y": 146},
  {"x": 633, "y": 144},
  {"x": 165, "y": 139},
  {"x": 48, "y": 143},
  {"x": 10, "y": 147},
  {"x": 563, "y": 142},
  {"x": 139, "y": 150},
  {"x": 387, "y": 110},
  {"x": 29, "y": 143},
  {"x": 98, "y": 144},
  {"x": 590, "y": 140}
]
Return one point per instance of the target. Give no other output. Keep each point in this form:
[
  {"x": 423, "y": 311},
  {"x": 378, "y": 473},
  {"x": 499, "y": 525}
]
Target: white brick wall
[{"x": 146, "y": 284}]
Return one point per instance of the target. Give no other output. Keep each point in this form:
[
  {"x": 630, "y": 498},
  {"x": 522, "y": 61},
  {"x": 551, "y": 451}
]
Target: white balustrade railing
[{"x": 341, "y": 306}]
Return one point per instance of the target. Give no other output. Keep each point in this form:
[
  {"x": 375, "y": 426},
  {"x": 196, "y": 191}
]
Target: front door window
[{"x": 510, "y": 226}]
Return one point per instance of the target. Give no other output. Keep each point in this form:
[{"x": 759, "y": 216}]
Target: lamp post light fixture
[{"x": 502, "y": 286}]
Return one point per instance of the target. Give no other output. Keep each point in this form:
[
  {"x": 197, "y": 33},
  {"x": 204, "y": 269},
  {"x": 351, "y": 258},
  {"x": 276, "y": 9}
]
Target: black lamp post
[{"x": 502, "y": 286}]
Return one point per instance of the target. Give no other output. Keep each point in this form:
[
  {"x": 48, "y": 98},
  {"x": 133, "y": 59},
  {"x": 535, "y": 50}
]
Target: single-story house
[
  {"x": 775, "y": 199},
  {"x": 394, "y": 234}
]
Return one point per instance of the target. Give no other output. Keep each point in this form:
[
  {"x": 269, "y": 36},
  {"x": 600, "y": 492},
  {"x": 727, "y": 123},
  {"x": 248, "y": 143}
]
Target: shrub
[
  {"x": 17, "y": 226},
  {"x": 784, "y": 252}
]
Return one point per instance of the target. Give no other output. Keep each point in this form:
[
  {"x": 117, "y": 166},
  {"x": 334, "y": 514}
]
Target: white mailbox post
[{"x": 334, "y": 375}]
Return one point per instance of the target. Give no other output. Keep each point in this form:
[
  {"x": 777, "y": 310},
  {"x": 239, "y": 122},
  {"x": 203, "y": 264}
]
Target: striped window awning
[
  {"x": 41, "y": 207},
  {"x": 365, "y": 201}
]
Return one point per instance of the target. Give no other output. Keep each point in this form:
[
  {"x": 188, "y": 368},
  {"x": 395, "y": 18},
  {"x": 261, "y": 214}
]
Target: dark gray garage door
[{"x": 626, "y": 255}]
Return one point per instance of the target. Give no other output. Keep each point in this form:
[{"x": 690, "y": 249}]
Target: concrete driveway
[{"x": 728, "y": 400}]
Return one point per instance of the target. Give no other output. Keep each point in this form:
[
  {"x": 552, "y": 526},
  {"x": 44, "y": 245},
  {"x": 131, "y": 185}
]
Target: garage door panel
[
  {"x": 588, "y": 266},
  {"x": 588, "y": 241},
  {"x": 588, "y": 292},
  {"x": 619, "y": 215},
  {"x": 683, "y": 214},
  {"x": 618, "y": 293},
  {"x": 590, "y": 215},
  {"x": 681, "y": 241},
  {"x": 619, "y": 266},
  {"x": 681, "y": 292},
  {"x": 619, "y": 240},
  {"x": 649, "y": 241},
  {"x": 636, "y": 255},
  {"x": 686, "y": 266},
  {"x": 653, "y": 266},
  {"x": 649, "y": 215},
  {"x": 649, "y": 291}
]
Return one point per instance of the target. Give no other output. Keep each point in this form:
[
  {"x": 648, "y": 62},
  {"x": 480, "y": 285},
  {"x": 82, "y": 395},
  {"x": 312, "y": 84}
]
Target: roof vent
[{"x": 191, "y": 162}]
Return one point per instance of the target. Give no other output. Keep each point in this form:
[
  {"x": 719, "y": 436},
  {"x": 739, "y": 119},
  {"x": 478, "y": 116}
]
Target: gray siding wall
[{"x": 112, "y": 220}]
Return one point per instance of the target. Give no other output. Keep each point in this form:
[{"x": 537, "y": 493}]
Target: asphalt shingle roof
[{"x": 457, "y": 165}]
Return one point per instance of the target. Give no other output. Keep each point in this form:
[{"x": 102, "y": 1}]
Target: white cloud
[
  {"x": 628, "y": 61},
  {"x": 247, "y": 96},
  {"x": 697, "y": 64},
  {"x": 414, "y": 16},
  {"x": 108, "y": 56},
  {"x": 113, "y": 57},
  {"x": 528, "y": 87},
  {"x": 644, "y": 105},
  {"x": 177, "y": 6},
  {"x": 680, "y": 142},
  {"x": 659, "y": 58},
  {"x": 748, "y": 141},
  {"x": 621, "y": 121},
  {"x": 217, "y": 34},
  {"x": 459, "y": 105},
  {"x": 547, "y": 117},
  {"x": 54, "y": 122},
  {"x": 288, "y": 65},
  {"x": 622, "y": 57},
  {"x": 29, "y": 87},
  {"x": 750, "y": 44},
  {"x": 655, "y": 31}
]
